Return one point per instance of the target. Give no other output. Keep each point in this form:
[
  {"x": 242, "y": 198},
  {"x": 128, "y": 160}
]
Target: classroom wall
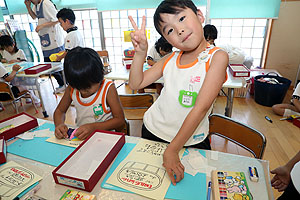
[{"x": 284, "y": 47}]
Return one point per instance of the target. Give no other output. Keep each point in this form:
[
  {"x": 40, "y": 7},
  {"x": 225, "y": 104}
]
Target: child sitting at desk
[
  {"x": 96, "y": 99},
  {"x": 8, "y": 77},
  {"x": 293, "y": 108},
  {"x": 193, "y": 78},
  {"x": 11, "y": 53}
]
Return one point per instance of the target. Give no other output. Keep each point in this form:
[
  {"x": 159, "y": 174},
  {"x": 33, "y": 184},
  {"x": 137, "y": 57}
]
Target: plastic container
[{"x": 268, "y": 94}]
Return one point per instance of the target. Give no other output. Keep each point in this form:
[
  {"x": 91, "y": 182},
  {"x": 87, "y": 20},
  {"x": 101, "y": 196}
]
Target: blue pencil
[{"x": 209, "y": 190}]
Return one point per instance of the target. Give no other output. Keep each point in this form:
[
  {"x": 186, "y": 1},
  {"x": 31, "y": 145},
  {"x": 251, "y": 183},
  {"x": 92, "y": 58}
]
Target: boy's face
[
  {"x": 89, "y": 91},
  {"x": 10, "y": 49},
  {"x": 183, "y": 30},
  {"x": 64, "y": 24}
]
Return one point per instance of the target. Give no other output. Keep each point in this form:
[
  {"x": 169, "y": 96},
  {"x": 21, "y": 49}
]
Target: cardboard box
[
  {"x": 83, "y": 168},
  {"x": 239, "y": 70},
  {"x": 16, "y": 125},
  {"x": 37, "y": 68},
  {"x": 2, "y": 150}
]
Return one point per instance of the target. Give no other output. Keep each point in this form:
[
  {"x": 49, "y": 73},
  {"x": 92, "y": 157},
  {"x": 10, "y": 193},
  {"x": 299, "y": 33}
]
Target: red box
[
  {"x": 37, "y": 68},
  {"x": 2, "y": 150},
  {"x": 127, "y": 63},
  {"x": 239, "y": 70},
  {"x": 296, "y": 122},
  {"x": 16, "y": 125},
  {"x": 83, "y": 168}
]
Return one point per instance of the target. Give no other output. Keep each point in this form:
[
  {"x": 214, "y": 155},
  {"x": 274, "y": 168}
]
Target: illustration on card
[
  {"x": 233, "y": 186},
  {"x": 12, "y": 179},
  {"x": 141, "y": 176}
]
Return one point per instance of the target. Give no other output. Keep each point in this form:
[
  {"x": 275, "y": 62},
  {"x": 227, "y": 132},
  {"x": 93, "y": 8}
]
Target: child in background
[
  {"x": 293, "y": 108},
  {"x": 95, "y": 99},
  {"x": 193, "y": 78},
  {"x": 11, "y": 53},
  {"x": 210, "y": 33},
  {"x": 8, "y": 77},
  {"x": 159, "y": 50},
  {"x": 66, "y": 18}
]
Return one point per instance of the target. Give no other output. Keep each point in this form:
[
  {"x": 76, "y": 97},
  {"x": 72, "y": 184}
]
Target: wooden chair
[
  {"x": 5, "y": 89},
  {"x": 105, "y": 59},
  {"x": 135, "y": 105},
  {"x": 241, "y": 134}
]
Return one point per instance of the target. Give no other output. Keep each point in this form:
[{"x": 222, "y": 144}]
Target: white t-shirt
[
  {"x": 295, "y": 175},
  {"x": 55, "y": 33},
  {"x": 297, "y": 91},
  {"x": 19, "y": 55},
  {"x": 73, "y": 39},
  {"x": 3, "y": 72},
  {"x": 154, "y": 54}
]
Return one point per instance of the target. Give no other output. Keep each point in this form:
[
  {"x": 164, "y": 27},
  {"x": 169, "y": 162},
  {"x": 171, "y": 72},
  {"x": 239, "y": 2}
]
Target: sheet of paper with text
[{"x": 142, "y": 172}]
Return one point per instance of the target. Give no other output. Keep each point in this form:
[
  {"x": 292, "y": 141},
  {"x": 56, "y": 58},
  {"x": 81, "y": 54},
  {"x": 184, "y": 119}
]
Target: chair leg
[
  {"x": 16, "y": 107},
  {"x": 52, "y": 86},
  {"x": 33, "y": 103}
]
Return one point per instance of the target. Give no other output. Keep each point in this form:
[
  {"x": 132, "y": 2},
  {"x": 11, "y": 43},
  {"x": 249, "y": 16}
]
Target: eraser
[{"x": 253, "y": 174}]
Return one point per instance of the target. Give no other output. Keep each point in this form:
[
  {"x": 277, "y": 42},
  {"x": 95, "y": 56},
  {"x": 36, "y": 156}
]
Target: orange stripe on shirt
[
  {"x": 93, "y": 101},
  {"x": 187, "y": 65},
  {"x": 104, "y": 97},
  {"x": 165, "y": 63},
  {"x": 210, "y": 53}
]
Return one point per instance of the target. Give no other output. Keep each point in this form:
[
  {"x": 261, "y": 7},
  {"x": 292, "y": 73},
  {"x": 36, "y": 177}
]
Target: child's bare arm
[
  {"x": 114, "y": 123},
  {"x": 296, "y": 103},
  {"x": 138, "y": 79},
  {"x": 213, "y": 82},
  {"x": 12, "y": 75},
  {"x": 60, "y": 115}
]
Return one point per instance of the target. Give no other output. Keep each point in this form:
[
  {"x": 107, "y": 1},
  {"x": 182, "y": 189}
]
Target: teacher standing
[{"x": 48, "y": 29}]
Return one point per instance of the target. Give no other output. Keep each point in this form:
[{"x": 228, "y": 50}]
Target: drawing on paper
[{"x": 141, "y": 176}]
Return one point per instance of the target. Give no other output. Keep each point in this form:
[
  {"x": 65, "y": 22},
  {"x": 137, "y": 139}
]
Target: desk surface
[
  {"x": 26, "y": 65},
  {"x": 50, "y": 190}
]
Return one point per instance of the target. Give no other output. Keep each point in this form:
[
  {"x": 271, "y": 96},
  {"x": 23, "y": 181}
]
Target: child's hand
[
  {"x": 138, "y": 37},
  {"x": 38, "y": 28},
  {"x": 281, "y": 179},
  {"x": 16, "y": 68},
  {"x": 173, "y": 165},
  {"x": 84, "y": 131},
  {"x": 27, "y": 2},
  {"x": 61, "y": 131}
]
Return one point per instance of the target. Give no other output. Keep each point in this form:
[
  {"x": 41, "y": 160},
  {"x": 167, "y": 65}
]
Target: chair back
[
  {"x": 26, "y": 45},
  {"x": 238, "y": 133},
  {"x": 5, "y": 92},
  {"x": 135, "y": 105},
  {"x": 105, "y": 59}
]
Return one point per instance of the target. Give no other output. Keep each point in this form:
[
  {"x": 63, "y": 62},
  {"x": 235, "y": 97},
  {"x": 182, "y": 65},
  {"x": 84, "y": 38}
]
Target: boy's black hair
[
  {"x": 163, "y": 44},
  {"x": 6, "y": 41},
  {"x": 171, "y": 7},
  {"x": 65, "y": 14},
  {"x": 210, "y": 32},
  {"x": 83, "y": 68}
]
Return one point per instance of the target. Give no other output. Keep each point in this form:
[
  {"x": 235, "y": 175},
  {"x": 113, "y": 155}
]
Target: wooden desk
[
  {"x": 231, "y": 83},
  {"x": 224, "y": 161},
  {"x": 32, "y": 79}
]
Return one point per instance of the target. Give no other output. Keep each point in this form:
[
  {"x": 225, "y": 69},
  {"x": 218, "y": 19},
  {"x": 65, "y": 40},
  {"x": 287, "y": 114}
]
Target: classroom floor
[{"x": 283, "y": 140}]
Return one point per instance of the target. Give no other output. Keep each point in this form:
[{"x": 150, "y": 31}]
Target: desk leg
[
  {"x": 41, "y": 98},
  {"x": 229, "y": 104}
]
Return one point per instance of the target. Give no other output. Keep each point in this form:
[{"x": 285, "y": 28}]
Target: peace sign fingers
[
  {"x": 133, "y": 23},
  {"x": 138, "y": 37}
]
